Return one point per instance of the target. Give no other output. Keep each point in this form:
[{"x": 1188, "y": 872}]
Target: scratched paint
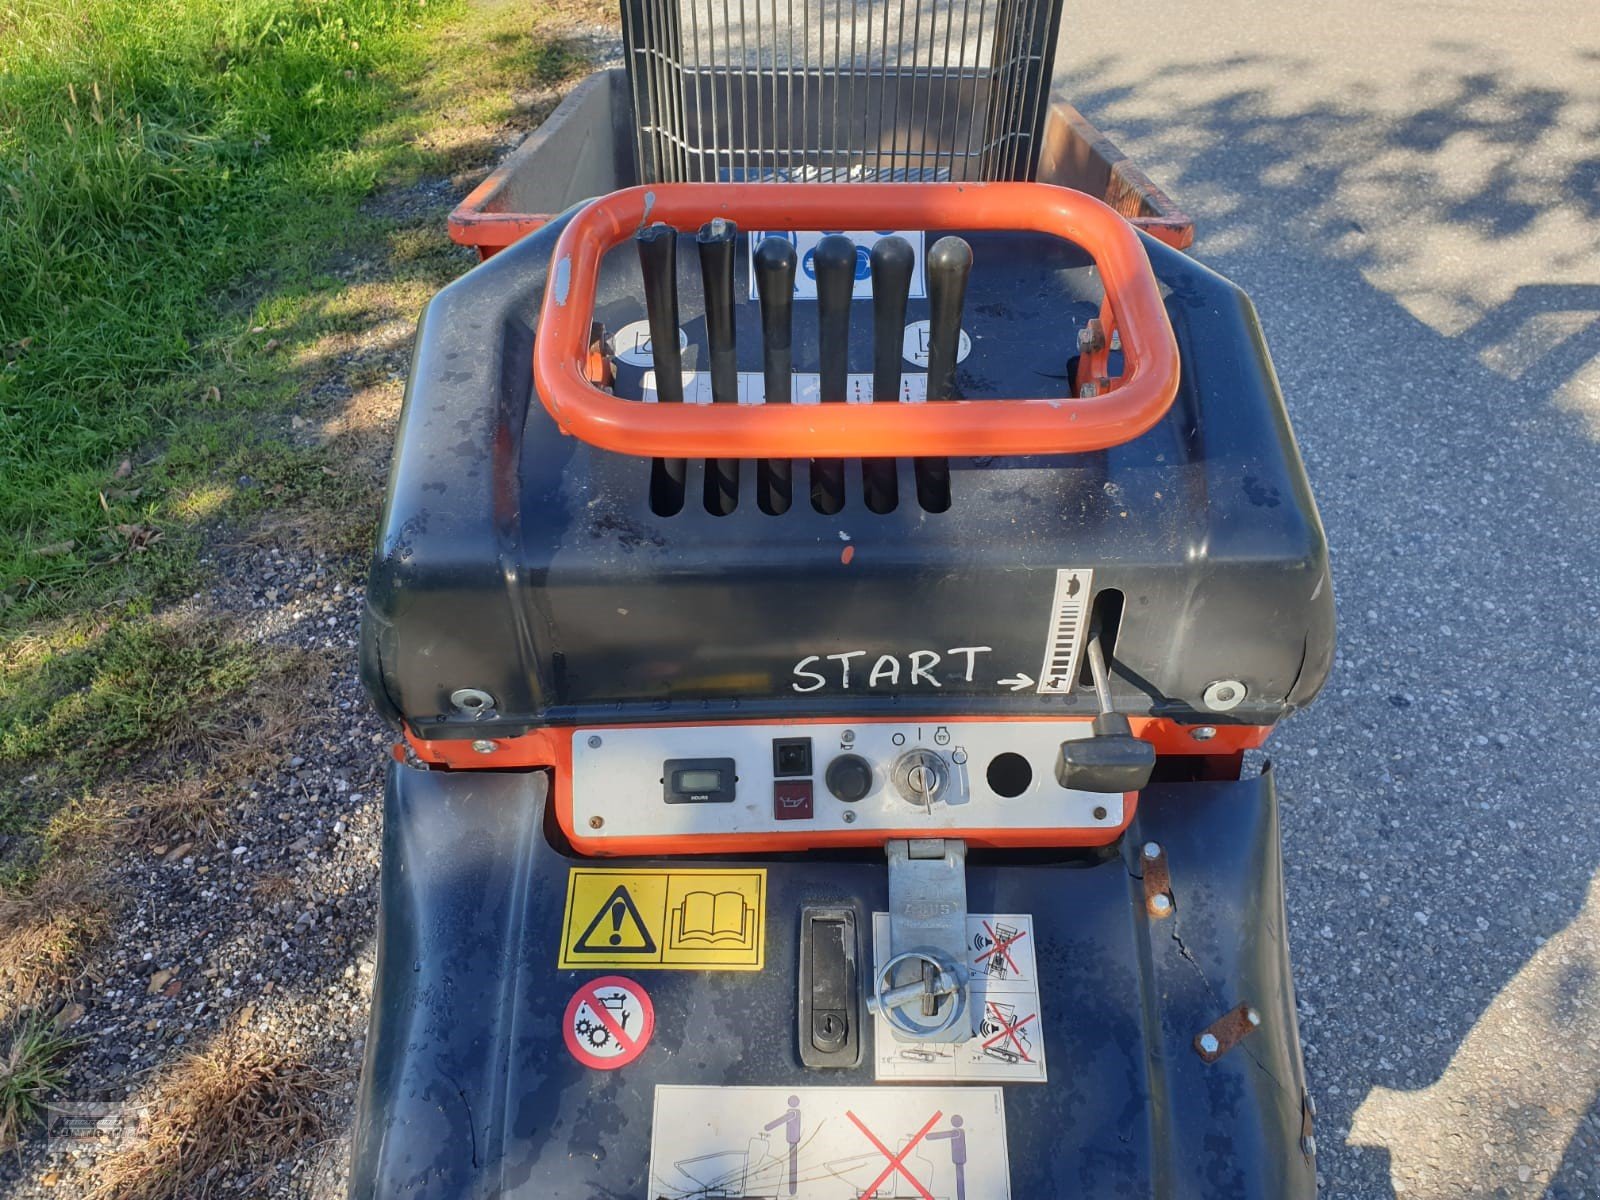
[{"x": 563, "y": 282}]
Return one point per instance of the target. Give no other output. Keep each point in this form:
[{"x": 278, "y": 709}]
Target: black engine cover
[{"x": 522, "y": 562}]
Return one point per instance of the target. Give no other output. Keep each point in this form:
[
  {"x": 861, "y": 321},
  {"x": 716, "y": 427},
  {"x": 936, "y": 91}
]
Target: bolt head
[
  {"x": 596, "y": 822},
  {"x": 1203, "y": 733},
  {"x": 1209, "y": 1043},
  {"x": 1161, "y": 904},
  {"x": 1253, "y": 1017},
  {"x": 1152, "y": 850},
  {"x": 594, "y": 741},
  {"x": 1309, "y": 1145},
  {"x": 485, "y": 746}
]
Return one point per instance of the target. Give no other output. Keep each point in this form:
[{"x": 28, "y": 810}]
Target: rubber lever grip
[
  {"x": 775, "y": 263},
  {"x": 716, "y": 241},
  {"x": 949, "y": 265},
  {"x": 834, "y": 262},
  {"x": 658, "y": 261},
  {"x": 893, "y": 260}
]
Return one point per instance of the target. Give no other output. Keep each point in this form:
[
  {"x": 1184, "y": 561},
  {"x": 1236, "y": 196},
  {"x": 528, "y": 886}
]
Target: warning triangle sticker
[{"x": 616, "y": 929}]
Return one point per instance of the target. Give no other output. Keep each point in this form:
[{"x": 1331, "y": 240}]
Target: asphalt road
[{"x": 1411, "y": 194}]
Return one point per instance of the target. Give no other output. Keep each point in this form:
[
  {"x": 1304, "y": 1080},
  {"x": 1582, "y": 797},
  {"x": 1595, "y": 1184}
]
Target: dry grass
[
  {"x": 232, "y": 1109},
  {"x": 45, "y": 931},
  {"x": 275, "y": 888},
  {"x": 183, "y": 788},
  {"x": 257, "y": 732}
]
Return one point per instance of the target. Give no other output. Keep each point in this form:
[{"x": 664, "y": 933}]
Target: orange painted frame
[
  {"x": 1060, "y": 425},
  {"x": 552, "y": 748}
]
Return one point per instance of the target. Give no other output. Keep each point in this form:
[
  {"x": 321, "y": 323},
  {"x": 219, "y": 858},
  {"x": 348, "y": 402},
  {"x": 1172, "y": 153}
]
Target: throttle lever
[{"x": 1112, "y": 760}]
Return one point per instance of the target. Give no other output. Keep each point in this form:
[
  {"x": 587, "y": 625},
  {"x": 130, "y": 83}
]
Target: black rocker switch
[
  {"x": 849, "y": 777},
  {"x": 658, "y": 263},
  {"x": 830, "y": 1004},
  {"x": 1113, "y": 760},
  {"x": 834, "y": 261},
  {"x": 774, "y": 266}
]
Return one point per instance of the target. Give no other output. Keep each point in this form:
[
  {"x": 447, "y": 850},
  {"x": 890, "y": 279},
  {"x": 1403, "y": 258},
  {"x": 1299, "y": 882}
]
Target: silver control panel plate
[{"x": 617, "y": 778}]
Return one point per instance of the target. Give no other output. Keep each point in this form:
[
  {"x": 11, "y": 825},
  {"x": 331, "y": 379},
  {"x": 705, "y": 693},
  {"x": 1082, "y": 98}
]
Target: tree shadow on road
[{"x": 1428, "y": 274}]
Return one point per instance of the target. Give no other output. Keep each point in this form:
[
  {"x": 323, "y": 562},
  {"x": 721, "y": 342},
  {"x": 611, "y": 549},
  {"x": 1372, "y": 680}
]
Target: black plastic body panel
[
  {"x": 469, "y": 1092},
  {"x": 521, "y": 561}
]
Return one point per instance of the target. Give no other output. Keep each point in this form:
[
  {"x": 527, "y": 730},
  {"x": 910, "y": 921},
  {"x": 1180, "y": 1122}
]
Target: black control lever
[
  {"x": 1113, "y": 760},
  {"x": 658, "y": 262},
  {"x": 892, "y": 262},
  {"x": 774, "y": 265},
  {"x": 949, "y": 265},
  {"x": 834, "y": 261},
  {"x": 716, "y": 241}
]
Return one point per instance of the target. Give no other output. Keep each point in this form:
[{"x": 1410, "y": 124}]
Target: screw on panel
[
  {"x": 596, "y": 822},
  {"x": 1203, "y": 733},
  {"x": 1209, "y": 1044},
  {"x": 1152, "y": 850},
  {"x": 1160, "y": 905},
  {"x": 484, "y": 746},
  {"x": 594, "y": 741}
]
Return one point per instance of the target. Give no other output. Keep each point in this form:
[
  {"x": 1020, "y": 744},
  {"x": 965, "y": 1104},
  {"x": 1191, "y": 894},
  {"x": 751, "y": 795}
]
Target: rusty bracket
[
  {"x": 1158, "y": 900},
  {"x": 1308, "y": 1114},
  {"x": 598, "y": 363},
  {"x": 1226, "y": 1032}
]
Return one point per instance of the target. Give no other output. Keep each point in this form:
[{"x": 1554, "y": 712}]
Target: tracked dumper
[{"x": 831, "y": 574}]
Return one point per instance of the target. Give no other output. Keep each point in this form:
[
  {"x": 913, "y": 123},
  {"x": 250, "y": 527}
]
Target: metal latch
[
  {"x": 922, "y": 987},
  {"x": 830, "y": 988}
]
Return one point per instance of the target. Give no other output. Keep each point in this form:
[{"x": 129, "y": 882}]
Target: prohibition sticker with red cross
[
  {"x": 1007, "y": 1045},
  {"x": 608, "y": 1022}
]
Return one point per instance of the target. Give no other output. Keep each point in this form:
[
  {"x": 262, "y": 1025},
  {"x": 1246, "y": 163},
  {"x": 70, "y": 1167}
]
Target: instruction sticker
[
  {"x": 1009, "y": 1045},
  {"x": 805, "y": 246},
  {"x": 829, "y": 1143},
  {"x": 682, "y": 920}
]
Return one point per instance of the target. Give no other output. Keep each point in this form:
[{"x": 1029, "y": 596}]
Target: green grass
[
  {"x": 157, "y": 158},
  {"x": 29, "y": 1071},
  {"x": 185, "y": 246}
]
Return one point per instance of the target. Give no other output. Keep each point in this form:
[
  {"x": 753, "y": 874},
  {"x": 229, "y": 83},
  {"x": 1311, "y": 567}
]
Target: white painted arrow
[{"x": 1017, "y": 682}]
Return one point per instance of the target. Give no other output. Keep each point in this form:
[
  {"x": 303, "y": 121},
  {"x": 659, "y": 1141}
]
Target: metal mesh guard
[{"x": 824, "y": 90}]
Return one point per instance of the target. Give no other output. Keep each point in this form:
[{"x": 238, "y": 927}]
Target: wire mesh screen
[{"x": 824, "y": 90}]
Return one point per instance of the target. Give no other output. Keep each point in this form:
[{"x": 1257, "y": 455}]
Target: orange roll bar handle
[{"x": 959, "y": 428}]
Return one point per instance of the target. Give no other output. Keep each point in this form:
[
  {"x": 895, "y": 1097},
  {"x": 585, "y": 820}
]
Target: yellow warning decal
[{"x": 667, "y": 920}]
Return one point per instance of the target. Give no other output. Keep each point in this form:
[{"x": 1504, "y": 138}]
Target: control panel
[{"x": 943, "y": 779}]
